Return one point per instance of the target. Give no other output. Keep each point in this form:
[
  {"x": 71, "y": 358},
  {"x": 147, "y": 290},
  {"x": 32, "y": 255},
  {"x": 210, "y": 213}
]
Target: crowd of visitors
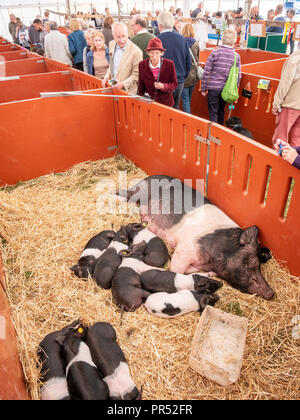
[{"x": 159, "y": 57}]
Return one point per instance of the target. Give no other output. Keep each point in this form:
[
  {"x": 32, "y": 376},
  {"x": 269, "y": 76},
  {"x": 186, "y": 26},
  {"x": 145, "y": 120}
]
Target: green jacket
[{"x": 141, "y": 40}]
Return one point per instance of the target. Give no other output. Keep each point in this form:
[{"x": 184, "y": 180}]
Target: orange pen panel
[
  {"x": 12, "y": 385},
  {"x": 251, "y": 184},
  {"x": 53, "y": 65},
  {"x": 13, "y": 55},
  {"x": 83, "y": 81},
  {"x": 30, "y": 86},
  {"x": 22, "y": 67},
  {"x": 255, "y": 113},
  {"x": 9, "y": 48},
  {"x": 265, "y": 69},
  {"x": 53, "y": 134},
  {"x": 161, "y": 140}
]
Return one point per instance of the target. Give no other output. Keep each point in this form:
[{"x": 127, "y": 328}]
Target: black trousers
[
  {"x": 78, "y": 66},
  {"x": 216, "y": 106}
]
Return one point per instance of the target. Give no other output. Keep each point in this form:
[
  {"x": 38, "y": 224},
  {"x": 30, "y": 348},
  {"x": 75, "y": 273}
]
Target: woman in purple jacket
[{"x": 215, "y": 75}]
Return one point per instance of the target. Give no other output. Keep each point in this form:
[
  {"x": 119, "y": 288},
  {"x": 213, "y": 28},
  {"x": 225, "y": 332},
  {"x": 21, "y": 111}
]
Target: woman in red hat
[{"x": 157, "y": 75}]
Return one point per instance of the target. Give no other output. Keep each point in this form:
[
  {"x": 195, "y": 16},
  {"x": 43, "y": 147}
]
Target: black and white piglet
[
  {"x": 166, "y": 281},
  {"x": 171, "y": 305},
  {"x": 110, "y": 360},
  {"x": 156, "y": 252},
  {"x": 83, "y": 377},
  {"x": 126, "y": 285},
  {"x": 109, "y": 261},
  {"x": 53, "y": 372},
  {"x": 92, "y": 250}
]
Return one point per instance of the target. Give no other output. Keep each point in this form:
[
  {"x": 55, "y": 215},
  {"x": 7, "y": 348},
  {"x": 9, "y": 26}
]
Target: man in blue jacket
[
  {"x": 279, "y": 17},
  {"x": 176, "y": 49}
]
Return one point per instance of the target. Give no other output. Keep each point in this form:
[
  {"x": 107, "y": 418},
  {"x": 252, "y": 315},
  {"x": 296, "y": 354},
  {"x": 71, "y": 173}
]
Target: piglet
[
  {"x": 110, "y": 360},
  {"x": 171, "y": 305},
  {"x": 167, "y": 281},
  {"x": 92, "y": 250},
  {"x": 126, "y": 285},
  {"x": 84, "y": 379},
  {"x": 156, "y": 252},
  {"x": 53, "y": 371},
  {"x": 109, "y": 261}
]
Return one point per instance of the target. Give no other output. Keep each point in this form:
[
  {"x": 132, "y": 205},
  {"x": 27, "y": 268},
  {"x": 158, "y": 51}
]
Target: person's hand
[
  {"x": 205, "y": 93},
  {"x": 119, "y": 85},
  {"x": 275, "y": 111},
  {"x": 278, "y": 142},
  {"x": 104, "y": 82},
  {"x": 289, "y": 153},
  {"x": 158, "y": 85}
]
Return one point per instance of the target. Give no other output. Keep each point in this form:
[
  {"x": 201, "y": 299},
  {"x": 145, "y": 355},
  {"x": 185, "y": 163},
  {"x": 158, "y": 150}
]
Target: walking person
[
  {"x": 191, "y": 81},
  {"x": 177, "y": 50},
  {"x": 77, "y": 43},
  {"x": 56, "y": 45},
  {"x": 124, "y": 60},
  {"x": 215, "y": 75},
  {"x": 157, "y": 75},
  {"x": 98, "y": 56},
  {"x": 286, "y": 104}
]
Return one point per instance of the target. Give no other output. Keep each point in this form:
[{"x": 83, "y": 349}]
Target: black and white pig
[
  {"x": 126, "y": 285},
  {"x": 109, "y": 261},
  {"x": 166, "y": 281},
  {"x": 204, "y": 238},
  {"x": 110, "y": 360},
  {"x": 83, "y": 377},
  {"x": 171, "y": 305},
  {"x": 53, "y": 372},
  {"x": 92, "y": 250},
  {"x": 156, "y": 253}
]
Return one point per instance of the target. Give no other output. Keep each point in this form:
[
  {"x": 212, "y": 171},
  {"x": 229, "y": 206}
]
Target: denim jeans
[
  {"x": 177, "y": 95},
  {"x": 186, "y": 97}
]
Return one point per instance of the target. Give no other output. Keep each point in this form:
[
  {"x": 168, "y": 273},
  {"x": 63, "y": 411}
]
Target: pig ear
[
  {"x": 140, "y": 394},
  {"x": 138, "y": 226},
  {"x": 139, "y": 246},
  {"x": 61, "y": 338},
  {"x": 74, "y": 268},
  {"x": 110, "y": 235},
  {"x": 249, "y": 236}
]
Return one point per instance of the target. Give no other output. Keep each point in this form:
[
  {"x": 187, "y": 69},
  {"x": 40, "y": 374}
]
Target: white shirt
[
  {"x": 117, "y": 58},
  {"x": 155, "y": 67},
  {"x": 142, "y": 31}
]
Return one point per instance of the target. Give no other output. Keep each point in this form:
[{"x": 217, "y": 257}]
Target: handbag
[
  {"x": 200, "y": 70},
  {"x": 230, "y": 92}
]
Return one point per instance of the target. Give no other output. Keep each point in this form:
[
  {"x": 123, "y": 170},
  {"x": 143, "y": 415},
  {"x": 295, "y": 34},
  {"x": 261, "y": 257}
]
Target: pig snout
[{"x": 259, "y": 286}]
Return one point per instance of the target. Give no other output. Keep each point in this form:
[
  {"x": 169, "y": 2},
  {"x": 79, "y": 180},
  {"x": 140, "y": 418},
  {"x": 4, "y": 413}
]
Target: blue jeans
[
  {"x": 186, "y": 97},
  {"x": 177, "y": 95}
]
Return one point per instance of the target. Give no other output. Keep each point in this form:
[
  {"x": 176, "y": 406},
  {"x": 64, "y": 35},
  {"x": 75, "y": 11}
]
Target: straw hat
[{"x": 155, "y": 44}]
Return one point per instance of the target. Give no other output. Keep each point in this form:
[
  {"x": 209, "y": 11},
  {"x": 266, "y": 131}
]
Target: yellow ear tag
[
  {"x": 144, "y": 224},
  {"x": 124, "y": 252},
  {"x": 80, "y": 330}
]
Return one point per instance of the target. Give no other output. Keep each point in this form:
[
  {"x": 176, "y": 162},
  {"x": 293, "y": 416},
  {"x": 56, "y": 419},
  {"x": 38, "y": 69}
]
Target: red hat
[{"x": 155, "y": 44}]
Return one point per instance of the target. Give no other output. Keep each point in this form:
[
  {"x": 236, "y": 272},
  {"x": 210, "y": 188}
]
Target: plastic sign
[{"x": 263, "y": 84}]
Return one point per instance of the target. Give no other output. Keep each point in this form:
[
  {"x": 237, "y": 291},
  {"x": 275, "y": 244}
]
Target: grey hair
[
  {"x": 166, "y": 20},
  {"x": 114, "y": 25},
  {"x": 53, "y": 25},
  {"x": 229, "y": 37}
]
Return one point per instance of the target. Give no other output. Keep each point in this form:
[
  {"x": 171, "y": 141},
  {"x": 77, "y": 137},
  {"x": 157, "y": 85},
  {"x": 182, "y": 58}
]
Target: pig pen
[
  {"x": 47, "y": 215},
  {"x": 45, "y": 224}
]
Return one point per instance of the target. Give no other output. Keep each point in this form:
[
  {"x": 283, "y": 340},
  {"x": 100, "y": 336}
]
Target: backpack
[{"x": 230, "y": 92}]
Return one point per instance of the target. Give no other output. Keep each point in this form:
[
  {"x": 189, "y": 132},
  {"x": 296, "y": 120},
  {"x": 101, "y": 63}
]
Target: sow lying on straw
[{"x": 44, "y": 225}]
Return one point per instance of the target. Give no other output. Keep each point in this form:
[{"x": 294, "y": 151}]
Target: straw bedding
[{"x": 44, "y": 225}]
